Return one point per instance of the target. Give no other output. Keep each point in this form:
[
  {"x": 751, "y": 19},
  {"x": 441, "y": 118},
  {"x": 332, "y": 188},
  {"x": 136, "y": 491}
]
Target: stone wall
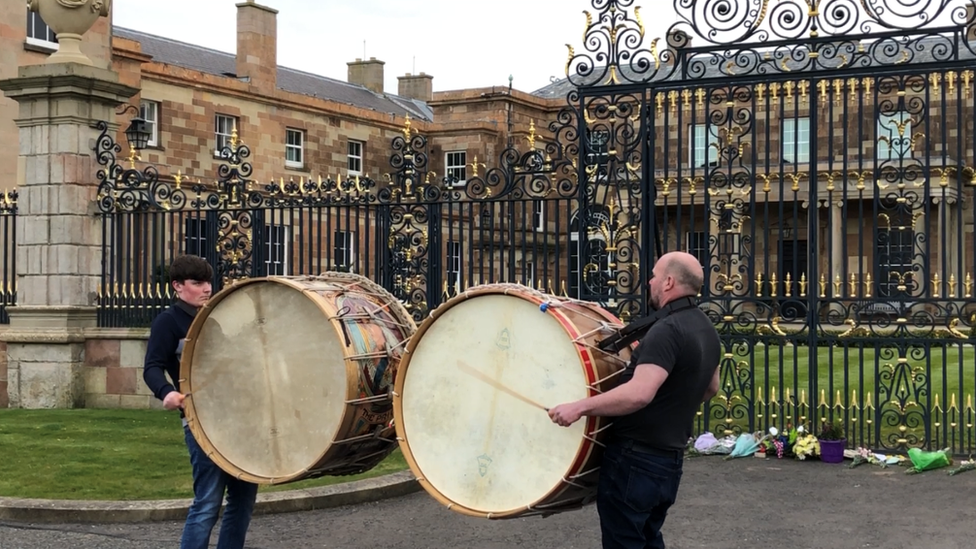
[{"x": 111, "y": 372}]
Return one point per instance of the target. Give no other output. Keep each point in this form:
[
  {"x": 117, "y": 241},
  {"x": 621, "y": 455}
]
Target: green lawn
[
  {"x": 943, "y": 371},
  {"x": 110, "y": 455}
]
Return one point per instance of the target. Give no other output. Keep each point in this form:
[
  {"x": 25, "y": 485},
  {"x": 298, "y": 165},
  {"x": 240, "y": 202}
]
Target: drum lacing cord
[
  {"x": 584, "y": 473},
  {"x": 595, "y": 385},
  {"x": 387, "y": 308},
  {"x": 403, "y": 343},
  {"x": 542, "y": 509},
  {"x": 367, "y": 436},
  {"x": 370, "y": 315},
  {"x": 604, "y": 326},
  {"x": 609, "y": 356},
  {"x": 589, "y": 436},
  {"x": 377, "y": 354},
  {"x": 570, "y": 480},
  {"x": 617, "y": 373},
  {"x": 368, "y": 400}
]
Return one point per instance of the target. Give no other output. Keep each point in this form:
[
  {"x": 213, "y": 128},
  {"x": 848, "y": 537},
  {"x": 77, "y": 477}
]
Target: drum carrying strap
[{"x": 636, "y": 330}]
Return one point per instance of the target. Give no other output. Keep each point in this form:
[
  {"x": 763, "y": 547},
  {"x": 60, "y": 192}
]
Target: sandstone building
[{"x": 866, "y": 181}]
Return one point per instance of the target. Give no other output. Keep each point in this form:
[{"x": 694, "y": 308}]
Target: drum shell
[
  {"x": 363, "y": 435},
  {"x": 582, "y": 321}
]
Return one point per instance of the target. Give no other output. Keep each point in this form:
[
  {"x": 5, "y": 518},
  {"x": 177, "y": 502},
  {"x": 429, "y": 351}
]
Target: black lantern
[{"x": 138, "y": 133}]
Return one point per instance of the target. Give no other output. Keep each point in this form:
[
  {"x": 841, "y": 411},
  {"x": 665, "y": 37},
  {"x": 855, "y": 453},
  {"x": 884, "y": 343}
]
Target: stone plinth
[{"x": 58, "y": 238}]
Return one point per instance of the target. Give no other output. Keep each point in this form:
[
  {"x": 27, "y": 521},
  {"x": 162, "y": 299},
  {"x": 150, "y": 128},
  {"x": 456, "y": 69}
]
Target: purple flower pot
[{"x": 832, "y": 451}]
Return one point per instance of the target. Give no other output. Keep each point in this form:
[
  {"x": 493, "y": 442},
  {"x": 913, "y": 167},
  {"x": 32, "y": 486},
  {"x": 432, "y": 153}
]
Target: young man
[
  {"x": 673, "y": 369},
  {"x": 190, "y": 277}
]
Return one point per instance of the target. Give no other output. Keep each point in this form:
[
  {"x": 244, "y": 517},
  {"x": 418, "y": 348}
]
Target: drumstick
[{"x": 499, "y": 386}]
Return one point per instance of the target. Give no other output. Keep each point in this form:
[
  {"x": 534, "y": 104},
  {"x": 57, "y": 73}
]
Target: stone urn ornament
[{"x": 70, "y": 19}]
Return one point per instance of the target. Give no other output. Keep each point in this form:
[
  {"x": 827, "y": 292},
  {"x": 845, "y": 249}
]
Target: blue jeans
[
  {"x": 209, "y": 483},
  {"x": 635, "y": 492}
]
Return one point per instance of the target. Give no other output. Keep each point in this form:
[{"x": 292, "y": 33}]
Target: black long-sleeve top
[{"x": 165, "y": 347}]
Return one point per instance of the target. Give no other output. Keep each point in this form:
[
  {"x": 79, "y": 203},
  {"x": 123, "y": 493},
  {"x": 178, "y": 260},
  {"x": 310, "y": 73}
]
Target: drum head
[
  {"x": 477, "y": 446},
  {"x": 268, "y": 379}
]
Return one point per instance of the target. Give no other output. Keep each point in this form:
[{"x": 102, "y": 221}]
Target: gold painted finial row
[
  {"x": 141, "y": 290},
  {"x": 788, "y": 285},
  {"x": 854, "y": 89},
  {"x": 862, "y": 287}
]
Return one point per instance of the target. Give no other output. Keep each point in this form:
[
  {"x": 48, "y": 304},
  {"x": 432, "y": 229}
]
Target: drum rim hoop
[
  {"x": 294, "y": 282},
  {"x": 586, "y": 447}
]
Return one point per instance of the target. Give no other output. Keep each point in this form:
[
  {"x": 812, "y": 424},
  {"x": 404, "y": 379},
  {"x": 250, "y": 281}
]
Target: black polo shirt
[{"x": 686, "y": 344}]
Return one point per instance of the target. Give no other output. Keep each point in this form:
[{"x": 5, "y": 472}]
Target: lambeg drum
[
  {"x": 290, "y": 378},
  {"x": 471, "y": 396}
]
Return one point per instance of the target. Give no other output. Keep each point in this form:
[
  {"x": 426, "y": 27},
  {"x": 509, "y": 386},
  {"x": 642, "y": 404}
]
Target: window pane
[
  {"x": 455, "y": 164},
  {"x": 294, "y": 137}
]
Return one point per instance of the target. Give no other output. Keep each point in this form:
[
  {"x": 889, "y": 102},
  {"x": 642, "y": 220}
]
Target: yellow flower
[{"x": 806, "y": 446}]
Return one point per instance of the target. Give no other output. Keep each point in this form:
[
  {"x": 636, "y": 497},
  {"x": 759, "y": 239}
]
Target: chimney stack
[
  {"x": 419, "y": 86},
  {"x": 367, "y": 73},
  {"x": 257, "y": 45}
]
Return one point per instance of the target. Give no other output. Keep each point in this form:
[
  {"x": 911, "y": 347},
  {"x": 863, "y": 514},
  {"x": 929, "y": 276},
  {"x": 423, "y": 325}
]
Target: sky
[{"x": 463, "y": 44}]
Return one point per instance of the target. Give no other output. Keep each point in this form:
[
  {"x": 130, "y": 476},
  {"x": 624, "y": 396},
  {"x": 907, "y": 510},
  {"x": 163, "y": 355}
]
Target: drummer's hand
[
  {"x": 565, "y": 414},
  {"x": 173, "y": 400}
]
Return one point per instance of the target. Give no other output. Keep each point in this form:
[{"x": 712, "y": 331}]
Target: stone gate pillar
[{"x": 58, "y": 240}]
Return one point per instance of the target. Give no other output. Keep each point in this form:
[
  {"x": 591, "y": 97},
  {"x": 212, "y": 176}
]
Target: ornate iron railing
[
  {"x": 425, "y": 238},
  {"x": 817, "y": 158},
  {"x": 8, "y": 256},
  {"x": 814, "y": 155}
]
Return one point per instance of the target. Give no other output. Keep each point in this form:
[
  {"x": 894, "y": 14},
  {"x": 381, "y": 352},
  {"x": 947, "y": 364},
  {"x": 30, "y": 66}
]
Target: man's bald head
[{"x": 685, "y": 269}]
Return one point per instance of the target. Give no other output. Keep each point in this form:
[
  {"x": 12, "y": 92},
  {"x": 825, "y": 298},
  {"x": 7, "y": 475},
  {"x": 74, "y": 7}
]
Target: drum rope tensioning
[
  {"x": 470, "y": 448},
  {"x": 289, "y": 378}
]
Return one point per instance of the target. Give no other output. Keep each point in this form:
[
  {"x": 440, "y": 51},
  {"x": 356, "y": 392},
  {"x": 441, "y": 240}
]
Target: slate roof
[
  {"x": 190, "y": 56},
  {"x": 922, "y": 53}
]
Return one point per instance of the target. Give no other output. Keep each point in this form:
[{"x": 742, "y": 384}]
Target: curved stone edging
[{"x": 87, "y": 512}]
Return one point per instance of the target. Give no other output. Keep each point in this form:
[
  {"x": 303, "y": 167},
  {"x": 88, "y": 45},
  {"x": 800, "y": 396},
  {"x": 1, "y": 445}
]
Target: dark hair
[{"x": 190, "y": 267}]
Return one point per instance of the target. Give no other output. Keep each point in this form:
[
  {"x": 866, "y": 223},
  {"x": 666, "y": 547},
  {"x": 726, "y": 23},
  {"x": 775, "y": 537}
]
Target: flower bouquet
[
  {"x": 806, "y": 446},
  {"x": 782, "y": 444},
  {"x": 926, "y": 461},
  {"x": 863, "y": 455},
  {"x": 746, "y": 445},
  {"x": 706, "y": 444},
  {"x": 966, "y": 465}
]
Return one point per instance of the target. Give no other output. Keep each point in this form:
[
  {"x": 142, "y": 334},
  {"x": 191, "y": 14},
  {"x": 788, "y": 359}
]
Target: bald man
[{"x": 673, "y": 369}]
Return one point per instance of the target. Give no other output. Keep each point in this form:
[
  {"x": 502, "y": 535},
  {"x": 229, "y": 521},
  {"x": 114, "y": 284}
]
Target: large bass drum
[
  {"x": 290, "y": 378},
  {"x": 475, "y": 446}
]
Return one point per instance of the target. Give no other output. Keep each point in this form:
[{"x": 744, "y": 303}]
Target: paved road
[{"x": 744, "y": 503}]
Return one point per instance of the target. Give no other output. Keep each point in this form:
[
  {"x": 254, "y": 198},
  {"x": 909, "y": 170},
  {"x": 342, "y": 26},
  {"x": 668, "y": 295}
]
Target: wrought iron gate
[{"x": 818, "y": 159}]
